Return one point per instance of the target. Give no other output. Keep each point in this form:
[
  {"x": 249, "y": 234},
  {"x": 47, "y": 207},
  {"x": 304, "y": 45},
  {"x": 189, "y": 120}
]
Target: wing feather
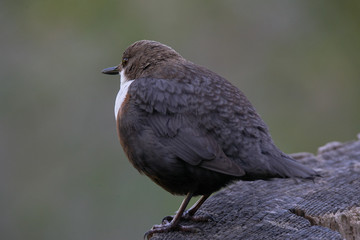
[{"x": 177, "y": 128}]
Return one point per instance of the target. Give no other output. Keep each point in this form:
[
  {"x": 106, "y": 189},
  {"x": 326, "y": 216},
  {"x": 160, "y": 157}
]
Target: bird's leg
[
  {"x": 174, "y": 223},
  {"x": 189, "y": 214},
  {"x": 197, "y": 205}
]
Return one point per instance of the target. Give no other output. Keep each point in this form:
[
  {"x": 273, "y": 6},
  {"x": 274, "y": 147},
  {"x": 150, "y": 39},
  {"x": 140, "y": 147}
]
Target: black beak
[{"x": 111, "y": 70}]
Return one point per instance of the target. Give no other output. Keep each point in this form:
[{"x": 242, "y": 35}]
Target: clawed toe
[
  {"x": 167, "y": 219},
  {"x": 171, "y": 223},
  {"x": 169, "y": 227},
  {"x": 187, "y": 217}
]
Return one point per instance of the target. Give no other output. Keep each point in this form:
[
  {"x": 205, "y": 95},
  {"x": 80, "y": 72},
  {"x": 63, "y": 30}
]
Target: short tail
[{"x": 287, "y": 167}]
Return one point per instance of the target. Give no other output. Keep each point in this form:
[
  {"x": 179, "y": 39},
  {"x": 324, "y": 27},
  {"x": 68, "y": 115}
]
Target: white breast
[{"x": 120, "y": 97}]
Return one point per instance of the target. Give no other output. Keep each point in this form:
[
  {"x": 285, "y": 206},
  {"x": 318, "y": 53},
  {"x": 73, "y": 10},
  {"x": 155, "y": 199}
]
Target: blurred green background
[{"x": 63, "y": 174}]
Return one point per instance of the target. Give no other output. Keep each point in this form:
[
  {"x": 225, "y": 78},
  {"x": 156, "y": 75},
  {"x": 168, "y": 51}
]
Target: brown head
[{"x": 143, "y": 57}]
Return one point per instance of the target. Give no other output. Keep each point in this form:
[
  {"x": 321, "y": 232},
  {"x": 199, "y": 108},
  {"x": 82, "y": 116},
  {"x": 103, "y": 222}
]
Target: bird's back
[{"x": 223, "y": 112}]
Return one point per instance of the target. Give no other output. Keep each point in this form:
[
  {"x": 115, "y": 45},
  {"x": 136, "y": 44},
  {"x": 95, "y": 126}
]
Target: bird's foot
[
  {"x": 189, "y": 217},
  {"x": 168, "y": 227}
]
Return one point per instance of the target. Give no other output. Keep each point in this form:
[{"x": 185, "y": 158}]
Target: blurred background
[{"x": 63, "y": 174}]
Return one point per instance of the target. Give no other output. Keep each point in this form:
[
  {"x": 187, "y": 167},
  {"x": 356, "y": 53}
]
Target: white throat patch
[{"x": 120, "y": 97}]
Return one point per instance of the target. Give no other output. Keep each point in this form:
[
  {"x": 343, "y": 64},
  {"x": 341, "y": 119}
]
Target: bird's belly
[
  {"x": 173, "y": 174},
  {"x": 198, "y": 180},
  {"x": 150, "y": 156}
]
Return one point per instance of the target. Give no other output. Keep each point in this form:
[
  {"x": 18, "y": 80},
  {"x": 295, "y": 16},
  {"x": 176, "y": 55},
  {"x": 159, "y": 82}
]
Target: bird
[{"x": 190, "y": 130}]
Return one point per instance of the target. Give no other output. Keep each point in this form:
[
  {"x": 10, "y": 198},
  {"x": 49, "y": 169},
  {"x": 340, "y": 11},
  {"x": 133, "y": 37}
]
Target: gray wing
[
  {"x": 214, "y": 119},
  {"x": 177, "y": 128}
]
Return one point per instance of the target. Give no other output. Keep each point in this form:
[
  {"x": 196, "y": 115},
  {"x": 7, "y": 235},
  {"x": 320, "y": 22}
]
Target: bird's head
[{"x": 144, "y": 58}]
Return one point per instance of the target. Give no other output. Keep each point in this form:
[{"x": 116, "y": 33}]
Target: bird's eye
[{"x": 124, "y": 61}]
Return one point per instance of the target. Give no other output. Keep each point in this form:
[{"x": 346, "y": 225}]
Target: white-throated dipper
[{"x": 190, "y": 130}]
